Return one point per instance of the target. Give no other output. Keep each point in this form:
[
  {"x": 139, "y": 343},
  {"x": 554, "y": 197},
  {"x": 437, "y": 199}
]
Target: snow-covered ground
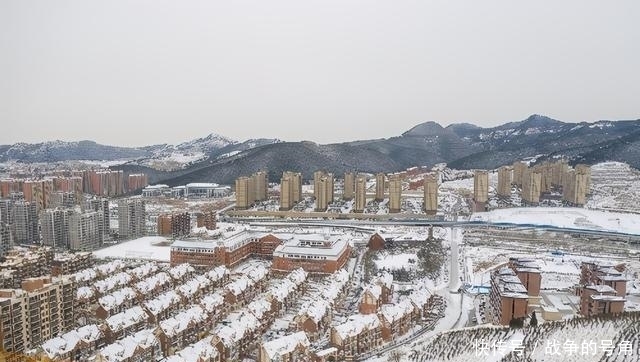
[
  {"x": 614, "y": 186},
  {"x": 564, "y": 217},
  {"x": 147, "y": 248}
]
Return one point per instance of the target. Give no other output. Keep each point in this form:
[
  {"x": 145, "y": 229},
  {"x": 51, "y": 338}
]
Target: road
[{"x": 370, "y": 224}]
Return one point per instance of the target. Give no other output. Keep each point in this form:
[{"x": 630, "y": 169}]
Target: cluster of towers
[
  {"x": 536, "y": 181},
  {"x": 251, "y": 189},
  {"x": 355, "y": 188}
]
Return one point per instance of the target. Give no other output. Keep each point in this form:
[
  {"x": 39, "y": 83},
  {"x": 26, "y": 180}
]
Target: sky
[{"x": 146, "y": 72}]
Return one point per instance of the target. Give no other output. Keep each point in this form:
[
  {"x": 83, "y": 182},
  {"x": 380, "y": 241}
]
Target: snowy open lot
[
  {"x": 146, "y": 248},
  {"x": 564, "y": 217}
]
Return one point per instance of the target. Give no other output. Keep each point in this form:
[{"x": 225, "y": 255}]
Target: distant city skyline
[{"x": 137, "y": 73}]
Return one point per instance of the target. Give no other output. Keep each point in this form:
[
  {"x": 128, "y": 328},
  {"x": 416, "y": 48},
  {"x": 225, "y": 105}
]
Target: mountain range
[{"x": 464, "y": 146}]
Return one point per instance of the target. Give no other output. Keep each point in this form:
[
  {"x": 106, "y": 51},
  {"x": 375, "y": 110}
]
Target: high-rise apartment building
[
  {"x": 63, "y": 199},
  {"x": 323, "y": 190},
  {"x": 395, "y": 193},
  {"x": 574, "y": 190},
  {"x": 244, "y": 192},
  {"x": 6, "y": 223},
  {"x": 174, "y": 225},
  {"x": 105, "y": 182},
  {"x": 206, "y": 219},
  {"x": 55, "y": 227},
  {"x": 480, "y": 189},
  {"x": 518, "y": 171},
  {"x": 101, "y": 205},
  {"x": 504, "y": 181},
  {"x": 25, "y": 223},
  {"x": 585, "y": 170},
  {"x": 290, "y": 190},
  {"x": 41, "y": 310},
  {"x": 38, "y": 192},
  {"x": 131, "y": 218},
  {"x": 349, "y": 186},
  {"x": 430, "y": 194},
  {"x": 546, "y": 176},
  {"x": 251, "y": 189},
  {"x": 380, "y": 186},
  {"x": 559, "y": 170},
  {"x": 361, "y": 194},
  {"x": 84, "y": 230},
  {"x": 136, "y": 181},
  {"x": 261, "y": 182},
  {"x": 531, "y": 186}
]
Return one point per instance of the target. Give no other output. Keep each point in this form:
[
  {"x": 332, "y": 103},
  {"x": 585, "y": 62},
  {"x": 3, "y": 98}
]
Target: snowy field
[
  {"x": 145, "y": 248},
  {"x": 564, "y": 217},
  {"x": 614, "y": 186}
]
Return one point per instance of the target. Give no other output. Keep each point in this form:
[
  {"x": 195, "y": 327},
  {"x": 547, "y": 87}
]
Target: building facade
[
  {"x": 430, "y": 185},
  {"x": 380, "y": 186},
  {"x": 361, "y": 194},
  {"x": 480, "y": 189},
  {"x": 131, "y": 218},
  {"x": 395, "y": 193}
]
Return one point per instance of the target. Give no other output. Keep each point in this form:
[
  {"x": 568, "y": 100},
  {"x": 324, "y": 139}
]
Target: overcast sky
[{"x": 144, "y": 72}]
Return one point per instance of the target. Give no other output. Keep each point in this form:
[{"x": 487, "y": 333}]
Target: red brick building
[
  {"x": 228, "y": 252},
  {"x": 602, "y": 289},
  {"x": 376, "y": 294},
  {"x": 174, "y": 225},
  {"x": 508, "y": 297}
]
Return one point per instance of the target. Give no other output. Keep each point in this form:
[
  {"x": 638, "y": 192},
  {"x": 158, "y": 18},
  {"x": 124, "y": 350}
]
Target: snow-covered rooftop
[
  {"x": 394, "y": 312},
  {"x": 211, "y": 302},
  {"x": 193, "y": 286},
  {"x": 285, "y": 345},
  {"x": 202, "y": 350},
  {"x": 356, "y": 324},
  {"x": 179, "y": 271},
  {"x": 147, "y": 285},
  {"x": 329, "y": 247},
  {"x": 162, "y": 302},
  {"x": 183, "y": 320},
  {"x": 118, "y": 280},
  {"x": 117, "y": 298},
  {"x": 124, "y": 349},
  {"x": 126, "y": 318},
  {"x": 148, "y": 248},
  {"x": 58, "y": 346}
]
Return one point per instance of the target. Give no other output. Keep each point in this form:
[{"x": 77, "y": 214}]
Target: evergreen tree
[{"x": 534, "y": 320}]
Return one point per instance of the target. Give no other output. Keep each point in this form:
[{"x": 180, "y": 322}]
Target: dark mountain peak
[
  {"x": 429, "y": 128},
  {"x": 536, "y": 120}
]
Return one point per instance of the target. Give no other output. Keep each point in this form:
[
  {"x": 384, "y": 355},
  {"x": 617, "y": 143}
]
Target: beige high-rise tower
[
  {"x": 361, "y": 194},
  {"x": 546, "y": 176},
  {"x": 244, "y": 194},
  {"x": 531, "y": 186},
  {"x": 395, "y": 193},
  {"x": 574, "y": 190},
  {"x": 286, "y": 191},
  {"x": 585, "y": 170},
  {"x": 290, "y": 190},
  {"x": 430, "y": 195},
  {"x": 518, "y": 171},
  {"x": 261, "y": 183},
  {"x": 380, "y": 186},
  {"x": 349, "y": 186},
  {"x": 40, "y": 311},
  {"x": 323, "y": 187},
  {"x": 480, "y": 189},
  {"x": 559, "y": 170},
  {"x": 504, "y": 181}
]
